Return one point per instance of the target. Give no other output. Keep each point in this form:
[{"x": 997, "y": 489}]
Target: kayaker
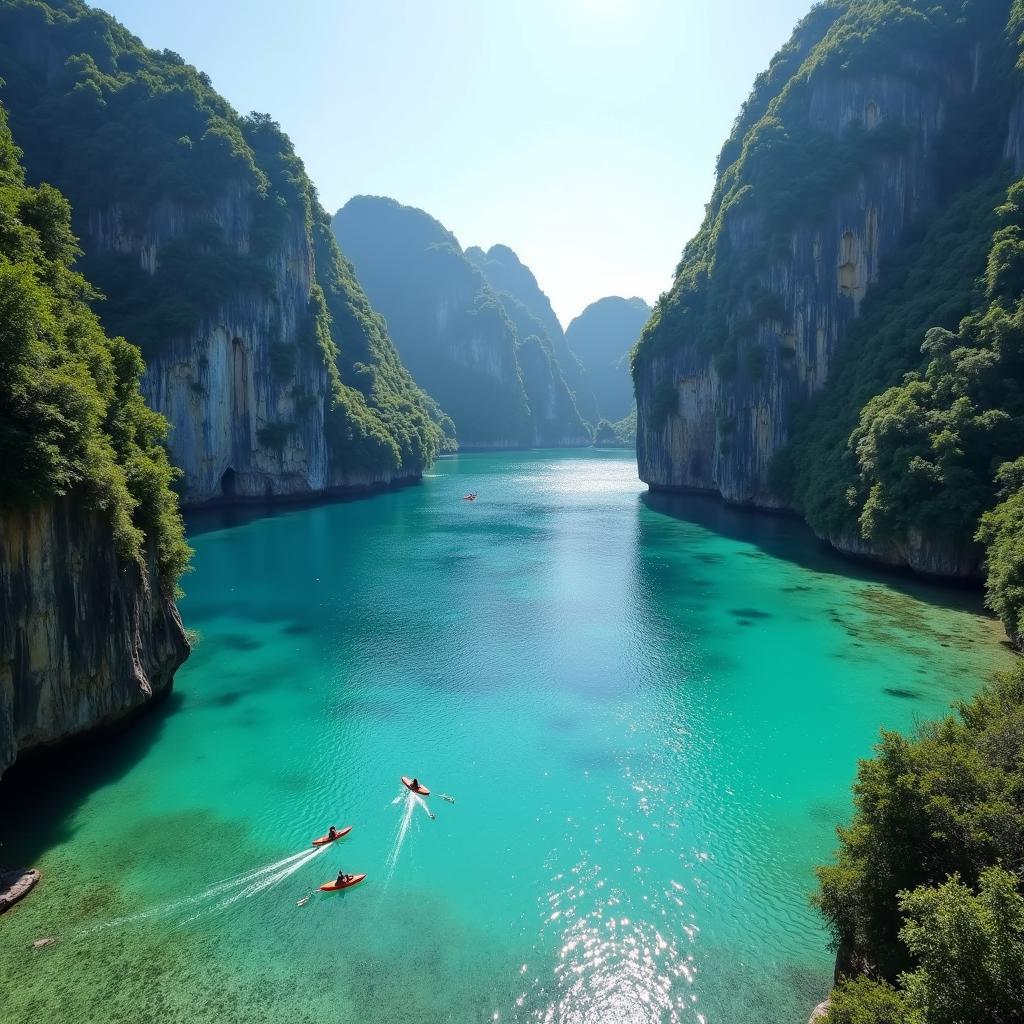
[
  {"x": 332, "y": 833},
  {"x": 415, "y": 784},
  {"x": 342, "y": 878}
]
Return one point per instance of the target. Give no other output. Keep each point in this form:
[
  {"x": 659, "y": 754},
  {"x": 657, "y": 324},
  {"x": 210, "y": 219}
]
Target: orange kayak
[
  {"x": 323, "y": 840},
  {"x": 334, "y": 886},
  {"x": 422, "y": 790}
]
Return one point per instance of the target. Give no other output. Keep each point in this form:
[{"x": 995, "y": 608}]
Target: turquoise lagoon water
[{"x": 648, "y": 710}]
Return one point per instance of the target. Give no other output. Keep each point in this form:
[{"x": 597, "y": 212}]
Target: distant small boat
[{"x": 469, "y": 497}]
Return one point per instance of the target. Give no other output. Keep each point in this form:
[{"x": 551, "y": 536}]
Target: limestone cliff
[
  {"x": 848, "y": 146},
  {"x": 726, "y": 422},
  {"x": 219, "y": 383},
  {"x": 206, "y": 237},
  {"x": 86, "y": 636},
  {"x": 91, "y": 539}
]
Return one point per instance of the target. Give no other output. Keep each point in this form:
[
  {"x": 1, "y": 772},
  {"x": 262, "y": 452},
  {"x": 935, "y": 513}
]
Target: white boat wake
[{"x": 238, "y": 887}]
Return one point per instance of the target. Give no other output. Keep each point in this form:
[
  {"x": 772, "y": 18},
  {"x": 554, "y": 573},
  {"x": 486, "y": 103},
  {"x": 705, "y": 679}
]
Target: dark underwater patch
[
  {"x": 236, "y": 641},
  {"x": 903, "y": 694},
  {"x": 750, "y": 613},
  {"x": 224, "y": 700}
]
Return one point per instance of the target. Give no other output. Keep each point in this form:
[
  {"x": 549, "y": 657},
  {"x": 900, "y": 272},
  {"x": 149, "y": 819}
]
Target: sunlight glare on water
[{"x": 648, "y": 710}]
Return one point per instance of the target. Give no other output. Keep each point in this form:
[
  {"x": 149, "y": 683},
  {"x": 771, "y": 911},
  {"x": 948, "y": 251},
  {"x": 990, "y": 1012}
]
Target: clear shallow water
[{"x": 649, "y": 711}]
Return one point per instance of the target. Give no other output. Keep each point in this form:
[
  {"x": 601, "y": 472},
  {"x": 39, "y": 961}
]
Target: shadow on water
[
  {"x": 217, "y": 516},
  {"x": 36, "y": 814},
  {"x": 788, "y": 538}
]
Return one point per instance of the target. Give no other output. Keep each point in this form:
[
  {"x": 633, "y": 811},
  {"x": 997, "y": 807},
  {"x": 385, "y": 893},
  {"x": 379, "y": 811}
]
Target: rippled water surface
[{"x": 647, "y": 709}]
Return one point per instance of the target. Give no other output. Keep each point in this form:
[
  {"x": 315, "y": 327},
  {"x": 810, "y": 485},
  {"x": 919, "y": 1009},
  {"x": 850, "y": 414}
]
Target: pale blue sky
[{"x": 582, "y": 133}]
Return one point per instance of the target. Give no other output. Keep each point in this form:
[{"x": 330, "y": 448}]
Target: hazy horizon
[{"x": 581, "y": 134}]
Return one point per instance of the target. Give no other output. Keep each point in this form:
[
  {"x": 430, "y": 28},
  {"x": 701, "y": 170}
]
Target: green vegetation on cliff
[
  {"x": 137, "y": 138},
  {"x": 620, "y": 434},
  {"x": 72, "y": 420},
  {"x": 925, "y": 890},
  {"x": 777, "y": 168},
  {"x": 552, "y": 402},
  {"x": 905, "y": 442},
  {"x": 450, "y": 328},
  {"x": 915, "y": 442}
]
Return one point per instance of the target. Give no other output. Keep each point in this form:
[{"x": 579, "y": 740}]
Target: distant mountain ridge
[
  {"x": 508, "y": 275},
  {"x": 601, "y": 337},
  {"x": 485, "y": 355}
]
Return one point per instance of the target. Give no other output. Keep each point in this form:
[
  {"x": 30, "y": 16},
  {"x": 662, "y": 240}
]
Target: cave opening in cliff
[{"x": 227, "y": 483}]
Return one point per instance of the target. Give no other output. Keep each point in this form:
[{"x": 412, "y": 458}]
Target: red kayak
[
  {"x": 422, "y": 790},
  {"x": 324, "y": 840},
  {"x": 335, "y": 887}
]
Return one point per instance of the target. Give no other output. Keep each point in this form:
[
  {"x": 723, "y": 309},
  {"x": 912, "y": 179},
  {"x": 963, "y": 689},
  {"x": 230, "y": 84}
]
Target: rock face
[
  {"x": 84, "y": 638},
  {"x": 205, "y": 235},
  {"x": 819, "y": 1013},
  {"x": 601, "y": 337},
  {"x": 482, "y": 354},
  {"x": 721, "y": 431},
  {"x": 217, "y": 383},
  {"x": 837, "y": 156}
]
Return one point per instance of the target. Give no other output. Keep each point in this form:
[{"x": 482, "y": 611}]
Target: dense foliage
[
  {"x": 72, "y": 420},
  {"x": 601, "y": 337},
  {"x": 904, "y": 444},
  {"x": 139, "y": 137},
  {"x": 925, "y": 890}
]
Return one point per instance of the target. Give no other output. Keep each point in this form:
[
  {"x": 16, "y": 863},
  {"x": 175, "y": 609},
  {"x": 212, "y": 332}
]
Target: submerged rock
[{"x": 15, "y": 885}]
